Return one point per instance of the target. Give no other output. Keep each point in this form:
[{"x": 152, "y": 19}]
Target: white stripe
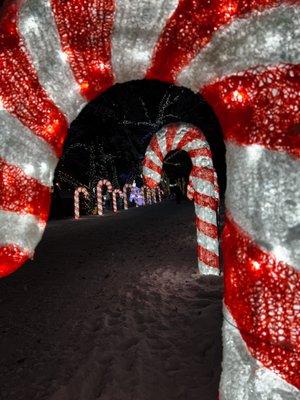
[
  {"x": 201, "y": 161},
  {"x": 206, "y": 214},
  {"x": 138, "y": 25},
  {"x": 38, "y": 29},
  {"x": 22, "y": 148},
  {"x": 253, "y": 380},
  {"x": 207, "y": 270},
  {"x": 162, "y": 142},
  {"x": 25, "y": 231},
  {"x": 263, "y": 38},
  {"x": 195, "y": 145},
  {"x": 204, "y": 187},
  {"x": 150, "y": 173},
  {"x": 263, "y": 196},
  {"x": 154, "y": 158},
  {"x": 207, "y": 242}
]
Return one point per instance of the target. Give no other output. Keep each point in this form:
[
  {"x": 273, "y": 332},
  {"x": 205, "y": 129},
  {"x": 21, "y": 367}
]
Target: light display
[
  {"x": 126, "y": 187},
  {"x": 243, "y": 56},
  {"x": 115, "y": 193},
  {"x": 78, "y": 191},
  {"x": 100, "y": 184},
  {"x": 202, "y": 186},
  {"x": 137, "y": 195}
]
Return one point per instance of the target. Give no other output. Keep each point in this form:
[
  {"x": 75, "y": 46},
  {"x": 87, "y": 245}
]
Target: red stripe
[
  {"x": 85, "y": 30},
  {"x": 151, "y": 165},
  {"x": 172, "y": 131},
  {"x": 22, "y": 194},
  {"x": 150, "y": 182},
  {"x": 190, "y": 28},
  {"x": 207, "y": 228},
  {"x": 204, "y": 173},
  {"x": 262, "y": 295},
  {"x": 192, "y": 134},
  {"x": 20, "y": 90},
  {"x": 205, "y": 201},
  {"x": 260, "y": 108},
  {"x": 208, "y": 257},
  {"x": 203, "y": 152},
  {"x": 154, "y": 146},
  {"x": 11, "y": 258}
]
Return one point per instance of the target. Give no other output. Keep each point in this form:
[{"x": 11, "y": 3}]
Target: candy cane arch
[
  {"x": 243, "y": 55},
  {"x": 203, "y": 187},
  {"x": 78, "y": 191},
  {"x": 126, "y": 187},
  {"x": 100, "y": 184},
  {"x": 115, "y": 193}
]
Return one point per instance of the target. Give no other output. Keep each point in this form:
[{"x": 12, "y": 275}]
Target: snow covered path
[{"x": 110, "y": 310}]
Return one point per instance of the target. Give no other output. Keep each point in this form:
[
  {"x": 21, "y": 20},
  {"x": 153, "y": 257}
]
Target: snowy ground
[{"x": 111, "y": 310}]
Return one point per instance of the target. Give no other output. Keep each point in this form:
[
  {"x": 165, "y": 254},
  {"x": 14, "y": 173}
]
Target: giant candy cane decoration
[
  {"x": 77, "y": 193},
  {"x": 203, "y": 186},
  {"x": 100, "y": 184},
  {"x": 243, "y": 56}
]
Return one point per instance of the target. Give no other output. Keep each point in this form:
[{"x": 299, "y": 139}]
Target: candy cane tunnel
[{"x": 243, "y": 57}]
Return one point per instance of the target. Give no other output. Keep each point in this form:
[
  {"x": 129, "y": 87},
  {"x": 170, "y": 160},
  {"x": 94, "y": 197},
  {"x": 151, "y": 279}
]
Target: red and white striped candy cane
[
  {"x": 143, "y": 195},
  {"x": 148, "y": 196},
  {"x": 203, "y": 187},
  {"x": 115, "y": 193},
  {"x": 159, "y": 193},
  {"x": 153, "y": 195},
  {"x": 78, "y": 191},
  {"x": 232, "y": 52},
  {"x": 100, "y": 184},
  {"x": 126, "y": 187}
]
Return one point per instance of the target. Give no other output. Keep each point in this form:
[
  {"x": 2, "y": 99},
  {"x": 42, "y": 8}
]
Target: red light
[{"x": 84, "y": 86}]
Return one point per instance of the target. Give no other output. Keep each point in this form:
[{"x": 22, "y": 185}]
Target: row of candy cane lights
[{"x": 149, "y": 196}]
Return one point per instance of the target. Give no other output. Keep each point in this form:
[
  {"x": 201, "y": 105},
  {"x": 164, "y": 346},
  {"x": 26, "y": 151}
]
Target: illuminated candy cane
[
  {"x": 143, "y": 195},
  {"x": 100, "y": 184},
  {"x": 153, "y": 195},
  {"x": 243, "y": 56},
  {"x": 77, "y": 193},
  {"x": 159, "y": 193},
  {"x": 148, "y": 196},
  {"x": 115, "y": 193},
  {"x": 125, "y": 194},
  {"x": 203, "y": 187}
]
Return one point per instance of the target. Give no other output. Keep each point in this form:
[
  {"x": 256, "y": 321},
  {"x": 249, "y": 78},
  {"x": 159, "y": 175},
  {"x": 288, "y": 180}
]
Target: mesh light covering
[
  {"x": 202, "y": 187},
  {"x": 243, "y": 55}
]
